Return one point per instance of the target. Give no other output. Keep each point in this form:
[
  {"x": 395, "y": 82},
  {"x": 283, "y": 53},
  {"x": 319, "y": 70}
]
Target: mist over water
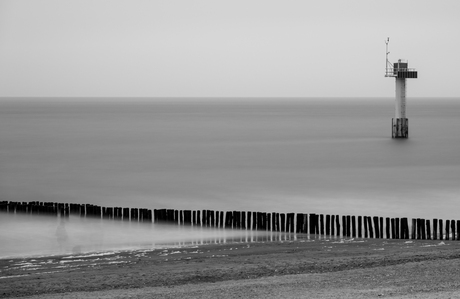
[
  {"x": 33, "y": 235},
  {"x": 331, "y": 156}
]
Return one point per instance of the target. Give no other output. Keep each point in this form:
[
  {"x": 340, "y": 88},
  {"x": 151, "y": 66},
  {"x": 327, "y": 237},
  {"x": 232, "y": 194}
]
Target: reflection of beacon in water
[{"x": 400, "y": 71}]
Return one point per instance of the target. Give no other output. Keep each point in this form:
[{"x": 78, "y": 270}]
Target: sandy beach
[{"x": 319, "y": 268}]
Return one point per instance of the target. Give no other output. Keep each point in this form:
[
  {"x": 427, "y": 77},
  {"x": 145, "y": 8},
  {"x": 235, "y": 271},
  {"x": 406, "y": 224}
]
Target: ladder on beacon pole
[{"x": 400, "y": 71}]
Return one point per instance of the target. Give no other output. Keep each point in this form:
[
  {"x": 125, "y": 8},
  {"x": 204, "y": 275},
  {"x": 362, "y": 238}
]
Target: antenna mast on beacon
[{"x": 399, "y": 70}]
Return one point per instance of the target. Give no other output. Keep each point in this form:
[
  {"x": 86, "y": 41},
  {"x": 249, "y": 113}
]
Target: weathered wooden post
[
  {"x": 344, "y": 226},
  {"x": 150, "y": 215},
  {"x": 353, "y": 226},
  {"x": 98, "y": 211},
  {"x": 187, "y": 217},
  {"x": 321, "y": 224},
  {"x": 407, "y": 236},
  {"x": 66, "y": 210},
  {"x": 138, "y": 218},
  {"x": 440, "y": 230},
  {"x": 369, "y": 224},
  {"x": 414, "y": 224},
  {"x": 161, "y": 214},
  {"x": 348, "y": 226},
  {"x": 312, "y": 223},
  {"x": 204, "y": 218},
  {"x": 257, "y": 219},
  {"x": 218, "y": 223},
  {"x": 125, "y": 214},
  {"x": 274, "y": 222},
  {"x": 133, "y": 215},
  {"x": 423, "y": 229},
  {"x": 328, "y": 225},
  {"x": 264, "y": 221},
  {"x": 82, "y": 210},
  {"x": 248, "y": 220},
  {"x": 228, "y": 219},
  {"x": 447, "y": 229},
  {"x": 212, "y": 219},
  {"x": 61, "y": 210},
  {"x": 288, "y": 222},
  {"x": 243, "y": 220},
  {"x": 452, "y": 228},
  {"x": 398, "y": 234},
  {"x": 229, "y": 216},
  {"x": 376, "y": 226},
  {"x": 397, "y": 228},
  {"x": 170, "y": 216},
  {"x": 298, "y": 226},
  {"x": 141, "y": 215},
  {"x": 337, "y": 224},
  {"x": 217, "y": 219},
  {"x": 305, "y": 224},
  {"x": 254, "y": 220},
  {"x": 198, "y": 218},
  {"x": 317, "y": 229},
  {"x": 428, "y": 229},
  {"x": 208, "y": 218},
  {"x": 458, "y": 230},
  {"x": 88, "y": 210},
  {"x": 387, "y": 227},
  {"x": 419, "y": 229},
  {"x": 283, "y": 221},
  {"x": 232, "y": 219},
  {"x": 292, "y": 228},
  {"x": 404, "y": 228},
  {"x": 4, "y": 207},
  {"x": 156, "y": 215},
  {"x": 269, "y": 218},
  {"x": 360, "y": 228},
  {"x": 178, "y": 217},
  {"x": 332, "y": 225},
  {"x": 435, "y": 229},
  {"x": 277, "y": 222},
  {"x": 381, "y": 227}
]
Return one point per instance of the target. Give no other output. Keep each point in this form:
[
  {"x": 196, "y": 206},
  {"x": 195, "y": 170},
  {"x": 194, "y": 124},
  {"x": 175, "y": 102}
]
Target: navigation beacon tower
[{"x": 399, "y": 70}]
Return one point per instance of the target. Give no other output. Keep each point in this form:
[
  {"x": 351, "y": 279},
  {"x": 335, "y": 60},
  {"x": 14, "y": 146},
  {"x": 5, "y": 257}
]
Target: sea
[{"x": 301, "y": 155}]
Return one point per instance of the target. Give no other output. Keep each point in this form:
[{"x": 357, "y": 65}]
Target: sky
[{"x": 223, "y": 48}]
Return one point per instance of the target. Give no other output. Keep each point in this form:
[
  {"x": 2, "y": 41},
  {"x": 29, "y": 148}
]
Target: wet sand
[{"x": 324, "y": 268}]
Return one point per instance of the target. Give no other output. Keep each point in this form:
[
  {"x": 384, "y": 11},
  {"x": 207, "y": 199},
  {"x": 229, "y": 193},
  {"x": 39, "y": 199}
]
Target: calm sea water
[{"x": 284, "y": 155}]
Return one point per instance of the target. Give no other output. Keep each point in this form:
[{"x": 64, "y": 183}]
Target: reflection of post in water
[{"x": 61, "y": 235}]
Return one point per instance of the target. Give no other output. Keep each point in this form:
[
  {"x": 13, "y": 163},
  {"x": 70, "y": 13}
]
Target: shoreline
[{"x": 240, "y": 265}]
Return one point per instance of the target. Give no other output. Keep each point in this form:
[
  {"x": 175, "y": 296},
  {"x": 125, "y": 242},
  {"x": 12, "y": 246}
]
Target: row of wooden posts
[{"x": 314, "y": 224}]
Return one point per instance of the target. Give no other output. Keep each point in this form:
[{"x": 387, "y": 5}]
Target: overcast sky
[{"x": 275, "y": 48}]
